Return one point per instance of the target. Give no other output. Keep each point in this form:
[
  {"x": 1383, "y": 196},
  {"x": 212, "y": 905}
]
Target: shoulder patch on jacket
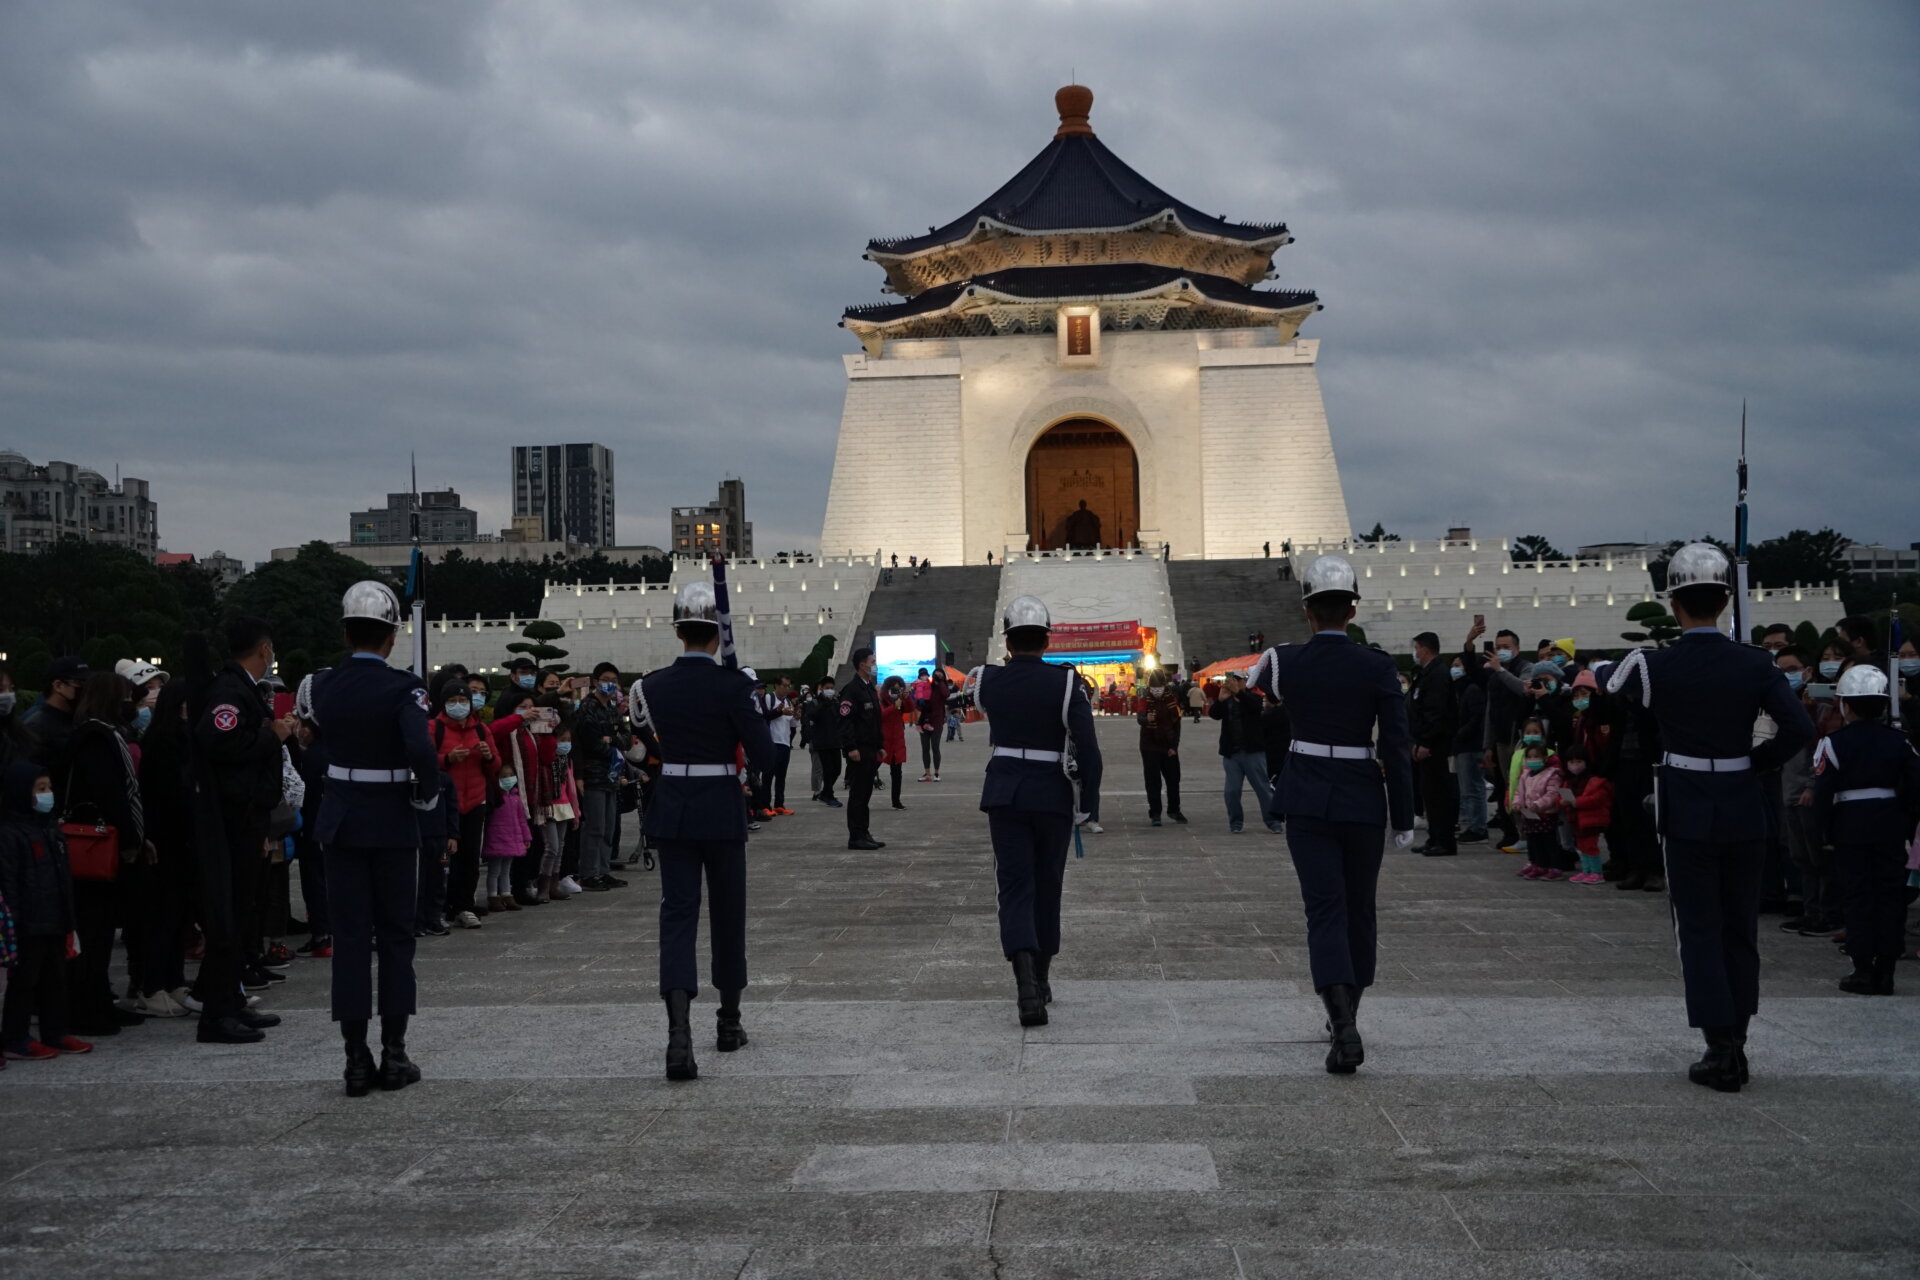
[
  {"x": 420, "y": 697},
  {"x": 226, "y": 717},
  {"x": 846, "y": 708}
]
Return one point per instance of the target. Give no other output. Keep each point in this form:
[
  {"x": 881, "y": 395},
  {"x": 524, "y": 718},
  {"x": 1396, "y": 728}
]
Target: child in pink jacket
[
  {"x": 508, "y": 835},
  {"x": 1538, "y": 800}
]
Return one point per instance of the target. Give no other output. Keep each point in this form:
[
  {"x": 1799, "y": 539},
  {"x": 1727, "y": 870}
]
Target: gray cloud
[{"x": 257, "y": 253}]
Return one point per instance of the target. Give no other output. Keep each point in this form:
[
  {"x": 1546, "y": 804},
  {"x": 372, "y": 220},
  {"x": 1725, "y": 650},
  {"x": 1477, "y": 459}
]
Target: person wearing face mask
[
  {"x": 555, "y": 753},
  {"x": 1591, "y": 811},
  {"x": 466, "y": 755},
  {"x": 600, "y": 736},
  {"x": 509, "y": 836},
  {"x": 1502, "y": 673},
  {"x": 16, "y": 743},
  {"x": 1806, "y": 844},
  {"x": 50, "y": 720},
  {"x": 38, "y": 888},
  {"x": 523, "y": 674},
  {"x": 1907, "y": 667},
  {"x": 102, "y": 784},
  {"x": 1433, "y": 716},
  {"x": 237, "y": 775},
  {"x": 1469, "y": 749},
  {"x": 1160, "y": 747}
]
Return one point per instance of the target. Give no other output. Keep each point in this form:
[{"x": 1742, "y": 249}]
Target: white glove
[{"x": 1402, "y": 839}]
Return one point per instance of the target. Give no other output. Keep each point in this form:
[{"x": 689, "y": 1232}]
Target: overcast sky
[{"x": 257, "y": 252}]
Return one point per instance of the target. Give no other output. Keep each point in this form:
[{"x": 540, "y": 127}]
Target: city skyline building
[
  {"x": 39, "y": 505},
  {"x": 568, "y": 488},
  {"x": 442, "y": 519},
  {"x": 720, "y": 526}
]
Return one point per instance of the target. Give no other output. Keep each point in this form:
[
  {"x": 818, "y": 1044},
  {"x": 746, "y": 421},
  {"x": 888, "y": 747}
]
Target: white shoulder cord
[
  {"x": 1635, "y": 661},
  {"x": 638, "y": 697}
]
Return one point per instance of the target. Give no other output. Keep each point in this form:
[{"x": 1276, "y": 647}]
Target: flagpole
[
  {"x": 728, "y": 656},
  {"x": 1737, "y": 616}
]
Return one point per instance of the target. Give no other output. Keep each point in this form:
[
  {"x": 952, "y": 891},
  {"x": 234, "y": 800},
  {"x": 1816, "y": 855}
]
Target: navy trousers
[
  {"x": 682, "y": 863},
  {"x": 1714, "y": 889},
  {"x": 1873, "y": 881},
  {"x": 1339, "y": 868},
  {"x": 371, "y": 895},
  {"x": 1030, "y": 863}
]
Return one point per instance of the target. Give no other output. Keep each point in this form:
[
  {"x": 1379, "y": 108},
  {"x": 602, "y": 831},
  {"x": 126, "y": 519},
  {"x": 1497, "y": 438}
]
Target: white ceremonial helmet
[
  {"x": 373, "y": 601},
  {"x": 1026, "y": 611},
  {"x": 1699, "y": 564},
  {"x": 696, "y": 603},
  {"x": 1862, "y": 681},
  {"x": 750, "y": 674},
  {"x": 1327, "y": 575}
]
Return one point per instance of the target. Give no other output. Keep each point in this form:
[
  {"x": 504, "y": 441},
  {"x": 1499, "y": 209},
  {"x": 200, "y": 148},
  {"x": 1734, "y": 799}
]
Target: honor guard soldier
[
  {"x": 381, "y": 764},
  {"x": 1705, "y": 692},
  {"x": 701, "y": 714},
  {"x": 1866, "y": 786},
  {"x": 1339, "y": 695},
  {"x": 863, "y": 745},
  {"x": 1041, "y": 725},
  {"x": 237, "y": 754}
]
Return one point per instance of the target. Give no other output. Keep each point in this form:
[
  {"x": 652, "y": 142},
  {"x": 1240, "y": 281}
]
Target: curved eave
[{"x": 984, "y": 228}]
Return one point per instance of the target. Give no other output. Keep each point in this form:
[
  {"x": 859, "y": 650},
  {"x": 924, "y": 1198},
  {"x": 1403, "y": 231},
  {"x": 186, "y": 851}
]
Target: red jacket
[
  {"x": 471, "y": 774},
  {"x": 510, "y": 733},
  {"x": 893, "y": 729},
  {"x": 1592, "y": 802}
]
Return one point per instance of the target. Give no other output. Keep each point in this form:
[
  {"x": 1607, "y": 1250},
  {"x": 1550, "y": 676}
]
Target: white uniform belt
[
  {"x": 1326, "y": 752},
  {"x": 340, "y": 773},
  {"x": 1024, "y": 753},
  {"x": 1708, "y": 764},
  {"x": 699, "y": 771},
  {"x": 1868, "y": 793}
]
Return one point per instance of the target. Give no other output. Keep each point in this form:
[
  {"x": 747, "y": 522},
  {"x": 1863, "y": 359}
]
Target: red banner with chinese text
[{"x": 1087, "y": 637}]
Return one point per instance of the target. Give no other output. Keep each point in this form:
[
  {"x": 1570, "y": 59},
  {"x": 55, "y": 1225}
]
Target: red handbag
[{"x": 93, "y": 850}]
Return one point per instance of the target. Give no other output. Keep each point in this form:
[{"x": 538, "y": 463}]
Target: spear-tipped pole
[
  {"x": 722, "y": 607},
  {"x": 417, "y": 573},
  {"x": 1737, "y": 616}
]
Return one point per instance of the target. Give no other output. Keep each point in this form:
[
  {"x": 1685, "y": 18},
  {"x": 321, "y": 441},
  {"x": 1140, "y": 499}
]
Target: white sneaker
[
  {"x": 467, "y": 920},
  {"x": 159, "y": 1005},
  {"x": 183, "y": 996},
  {"x": 252, "y": 1001},
  {"x": 1094, "y": 827},
  {"x": 571, "y": 885}
]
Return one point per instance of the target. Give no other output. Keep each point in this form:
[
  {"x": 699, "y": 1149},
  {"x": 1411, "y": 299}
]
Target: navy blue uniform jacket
[
  {"x": 702, "y": 713},
  {"x": 373, "y": 716},
  {"x": 1022, "y": 701},
  {"x": 1705, "y": 692},
  {"x": 1337, "y": 692},
  {"x": 1866, "y": 755}
]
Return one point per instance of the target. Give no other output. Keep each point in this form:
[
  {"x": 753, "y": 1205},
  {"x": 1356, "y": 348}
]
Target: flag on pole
[{"x": 727, "y": 654}]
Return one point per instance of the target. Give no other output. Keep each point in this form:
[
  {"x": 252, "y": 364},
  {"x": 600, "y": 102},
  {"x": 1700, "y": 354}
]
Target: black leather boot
[
  {"x": 1033, "y": 1010},
  {"x": 360, "y": 1069},
  {"x": 1357, "y": 993},
  {"x": 680, "y": 1063},
  {"x": 1343, "y": 1004},
  {"x": 1719, "y": 1068},
  {"x": 1883, "y": 975},
  {"x": 1863, "y": 981},
  {"x": 1040, "y": 966},
  {"x": 397, "y": 1070},
  {"x": 730, "y": 1034}
]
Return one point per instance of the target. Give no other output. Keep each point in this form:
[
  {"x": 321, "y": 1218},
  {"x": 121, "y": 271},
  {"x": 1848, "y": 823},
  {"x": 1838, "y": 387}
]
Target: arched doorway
[{"x": 1083, "y": 487}]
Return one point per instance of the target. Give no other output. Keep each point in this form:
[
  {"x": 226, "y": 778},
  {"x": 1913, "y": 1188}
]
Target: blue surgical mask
[
  {"x": 1531, "y": 739},
  {"x": 1828, "y": 670},
  {"x": 1457, "y": 673},
  {"x": 43, "y": 802},
  {"x": 564, "y": 748},
  {"x": 509, "y": 783},
  {"x": 141, "y": 719},
  {"x": 7, "y": 701},
  {"x": 1581, "y": 704},
  {"x": 1796, "y": 680},
  {"x": 1535, "y": 766},
  {"x": 1910, "y": 666},
  {"x": 525, "y": 682},
  {"x": 1505, "y": 655},
  {"x": 1559, "y": 659},
  {"x": 459, "y": 710},
  {"x": 609, "y": 688},
  {"x": 479, "y": 700}
]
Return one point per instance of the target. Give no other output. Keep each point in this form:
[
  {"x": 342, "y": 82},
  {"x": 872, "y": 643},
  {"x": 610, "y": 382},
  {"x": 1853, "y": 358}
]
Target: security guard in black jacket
[
  {"x": 237, "y": 782},
  {"x": 381, "y": 765},
  {"x": 863, "y": 745},
  {"x": 1040, "y": 723},
  {"x": 1866, "y": 783},
  {"x": 1706, "y": 692},
  {"x": 1340, "y": 695},
  {"x": 702, "y": 715}
]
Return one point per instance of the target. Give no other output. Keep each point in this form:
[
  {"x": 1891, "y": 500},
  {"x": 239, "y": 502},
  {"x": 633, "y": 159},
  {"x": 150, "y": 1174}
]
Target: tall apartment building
[
  {"x": 721, "y": 525},
  {"x": 568, "y": 488},
  {"x": 41, "y": 505},
  {"x": 1872, "y": 560},
  {"x": 442, "y": 519}
]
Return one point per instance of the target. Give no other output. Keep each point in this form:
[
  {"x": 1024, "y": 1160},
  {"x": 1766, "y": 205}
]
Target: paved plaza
[{"x": 1523, "y": 1112}]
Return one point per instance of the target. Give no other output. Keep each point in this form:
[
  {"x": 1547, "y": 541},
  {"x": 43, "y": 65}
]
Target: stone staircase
[
  {"x": 956, "y": 603},
  {"x": 1220, "y": 601},
  {"x": 1113, "y": 587}
]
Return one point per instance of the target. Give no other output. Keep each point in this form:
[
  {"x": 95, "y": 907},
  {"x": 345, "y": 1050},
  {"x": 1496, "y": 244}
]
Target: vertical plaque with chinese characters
[{"x": 1079, "y": 335}]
